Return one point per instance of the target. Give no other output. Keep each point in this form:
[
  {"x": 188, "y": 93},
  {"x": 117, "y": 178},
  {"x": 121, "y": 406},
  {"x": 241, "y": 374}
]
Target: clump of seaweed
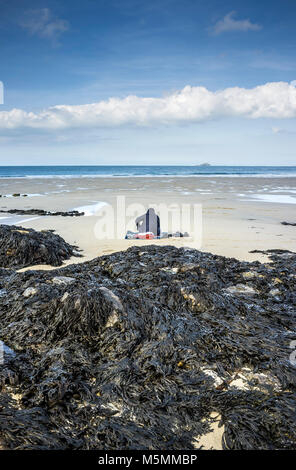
[
  {"x": 20, "y": 247},
  {"x": 42, "y": 212},
  {"x": 137, "y": 349}
]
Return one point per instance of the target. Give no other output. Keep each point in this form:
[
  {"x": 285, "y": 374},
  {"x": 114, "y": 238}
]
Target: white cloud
[
  {"x": 229, "y": 23},
  {"x": 191, "y": 104},
  {"x": 42, "y": 23}
]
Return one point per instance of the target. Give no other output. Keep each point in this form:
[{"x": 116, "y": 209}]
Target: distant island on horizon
[{"x": 203, "y": 164}]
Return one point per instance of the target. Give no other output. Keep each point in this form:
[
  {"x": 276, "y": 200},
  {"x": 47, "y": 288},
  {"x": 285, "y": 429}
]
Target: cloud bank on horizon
[{"x": 276, "y": 100}]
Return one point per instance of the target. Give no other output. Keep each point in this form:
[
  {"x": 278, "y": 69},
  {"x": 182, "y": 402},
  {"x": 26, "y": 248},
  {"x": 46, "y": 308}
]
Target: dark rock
[
  {"x": 134, "y": 351},
  {"x": 289, "y": 223},
  {"x": 42, "y": 212},
  {"x": 20, "y": 247}
]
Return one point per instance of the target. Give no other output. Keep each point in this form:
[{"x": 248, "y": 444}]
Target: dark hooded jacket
[{"x": 149, "y": 222}]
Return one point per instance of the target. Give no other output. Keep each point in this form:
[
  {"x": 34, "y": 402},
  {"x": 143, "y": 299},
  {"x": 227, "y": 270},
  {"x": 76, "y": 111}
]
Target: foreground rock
[
  {"x": 139, "y": 349},
  {"x": 21, "y": 247}
]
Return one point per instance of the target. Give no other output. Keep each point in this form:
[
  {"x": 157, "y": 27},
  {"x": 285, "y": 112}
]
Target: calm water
[{"x": 96, "y": 171}]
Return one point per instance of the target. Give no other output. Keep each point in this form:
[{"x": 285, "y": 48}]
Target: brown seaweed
[
  {"x": 20, "y": 247},
  {"x": 136, "y": 350},
  {"x": 42, "y": 212}
]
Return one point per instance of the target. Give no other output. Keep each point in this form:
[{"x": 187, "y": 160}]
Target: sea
[{"x": 63, "y": 171}]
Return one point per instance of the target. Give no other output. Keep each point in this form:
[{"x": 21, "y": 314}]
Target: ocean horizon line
[
  {"x": 147, "y": 171},
  {"x": 150, "y": 165}
]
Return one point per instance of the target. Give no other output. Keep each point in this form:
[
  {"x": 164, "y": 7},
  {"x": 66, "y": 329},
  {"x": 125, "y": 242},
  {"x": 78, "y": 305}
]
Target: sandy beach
[{"x": 238, "y": 214}]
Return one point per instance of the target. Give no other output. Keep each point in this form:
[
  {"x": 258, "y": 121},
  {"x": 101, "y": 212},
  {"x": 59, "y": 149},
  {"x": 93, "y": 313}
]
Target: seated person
[{"x": 149, "y": 222}]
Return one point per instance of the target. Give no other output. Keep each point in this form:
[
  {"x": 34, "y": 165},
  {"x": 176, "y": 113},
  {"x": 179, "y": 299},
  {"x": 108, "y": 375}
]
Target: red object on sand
[{"x": 145, "y": 236}]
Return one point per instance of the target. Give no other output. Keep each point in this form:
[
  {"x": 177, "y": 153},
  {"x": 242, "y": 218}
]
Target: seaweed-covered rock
[
  {"x": 20, "y": 247},
  {"x": 293, "y": 224},
  {"x": 138, "y": 349},
  {"x": 41, "y": 212}
]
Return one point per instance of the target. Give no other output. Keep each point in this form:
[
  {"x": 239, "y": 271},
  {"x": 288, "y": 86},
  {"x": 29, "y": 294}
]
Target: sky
[{"x": 176, "y": 82}]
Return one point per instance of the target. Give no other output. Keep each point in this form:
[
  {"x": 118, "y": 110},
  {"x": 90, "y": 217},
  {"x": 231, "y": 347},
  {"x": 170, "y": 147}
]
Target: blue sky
[{"x": 71, "y": 54}]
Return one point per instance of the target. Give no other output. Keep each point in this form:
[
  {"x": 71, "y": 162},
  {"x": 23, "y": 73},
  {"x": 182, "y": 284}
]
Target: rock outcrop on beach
[
  {"x": 42, "y": 212},
  {"x": 293, "y": 224},
  {"x": 20, "y": 247},
  {"x": 137, "y": 349}
]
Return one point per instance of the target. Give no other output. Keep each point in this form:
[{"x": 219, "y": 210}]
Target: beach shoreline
[{"x": 237, "y": 216}]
